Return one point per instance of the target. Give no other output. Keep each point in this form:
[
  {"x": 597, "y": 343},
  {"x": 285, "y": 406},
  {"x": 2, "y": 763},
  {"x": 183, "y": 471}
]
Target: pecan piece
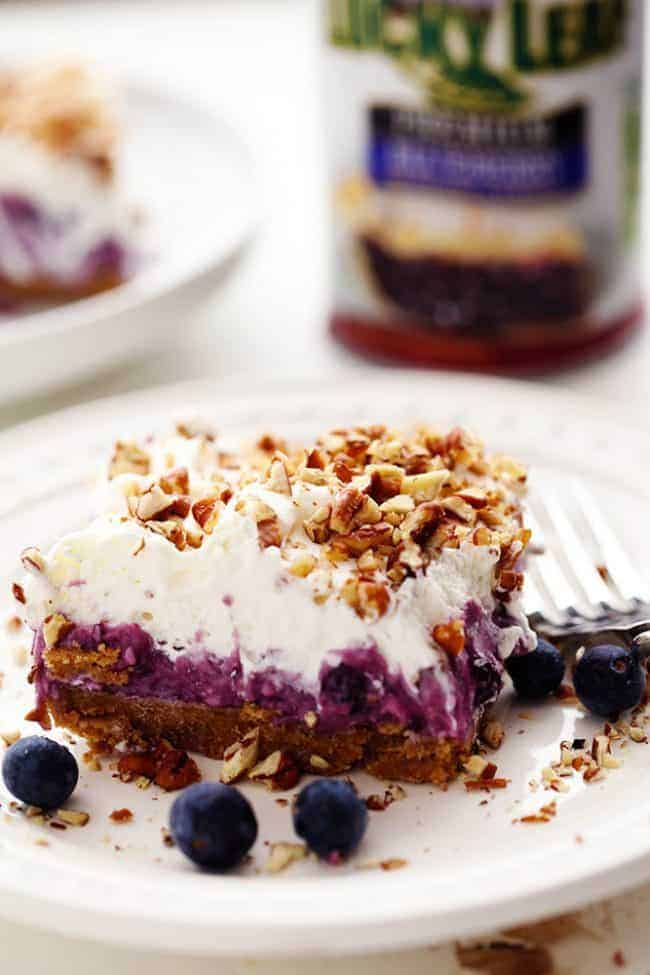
[
  {"x": 374, "y": 599},
  {"x": 268, "y": 532},
  {"x": 342, "y": 471},
  {"x": 277, "y": 771},
  {"x": 55, "y": 627},
  {"x": 420, "y": 524},
  {"x": 450, "y": 636},
  {"x": 385, "y": 482},
  {"x": 278, "y": 478},
  {"x": 346, "y": 504},
  {"x": 128, "y": 458},
  {"x": 18, "y": 593},
  {"x": 425, "y": 487},
  {"x": 170, "y": 768},
  {"x": 176, "y": 481},
  {"x": 455, "y": 505},
  {"x": 282, "y": 855},
  {"x": 240, "y": 757},
  {"x": 32, "y": 560},
  {"x": 317, "y": 527},
  {"x": 173, "y": 531},
  {"x": 474, "y": 497},
  {"x": 317, "y": 459},
  {"x": 361, "y": 539},
  {"x": 206, "y": 513}
]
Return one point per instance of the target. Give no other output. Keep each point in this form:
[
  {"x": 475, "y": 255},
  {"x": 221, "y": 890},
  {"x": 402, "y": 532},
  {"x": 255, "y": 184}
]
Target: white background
[{"x": 255, "y": 61}]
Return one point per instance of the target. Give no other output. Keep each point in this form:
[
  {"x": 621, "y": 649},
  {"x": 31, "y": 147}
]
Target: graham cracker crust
[
  {"x": 46, "y": 289},
  {"x": 109, "y": 719}
]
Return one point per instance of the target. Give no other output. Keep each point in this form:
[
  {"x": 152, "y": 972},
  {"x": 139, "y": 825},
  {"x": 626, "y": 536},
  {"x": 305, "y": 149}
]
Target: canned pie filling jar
[{"x": 485, "y": 178}]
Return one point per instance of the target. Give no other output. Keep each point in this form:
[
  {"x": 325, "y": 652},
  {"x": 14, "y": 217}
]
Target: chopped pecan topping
[{"x": 380, "y": 504}]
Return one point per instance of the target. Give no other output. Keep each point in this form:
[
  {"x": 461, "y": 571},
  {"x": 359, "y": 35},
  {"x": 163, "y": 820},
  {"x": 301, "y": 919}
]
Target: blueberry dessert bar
[
  {"x": 64, "y": 229},
  {"x": 350, "y": 603}
]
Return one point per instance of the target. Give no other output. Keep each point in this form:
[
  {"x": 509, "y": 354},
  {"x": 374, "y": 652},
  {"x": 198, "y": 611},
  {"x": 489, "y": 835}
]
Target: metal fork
[{"x": 582, "y": 588}]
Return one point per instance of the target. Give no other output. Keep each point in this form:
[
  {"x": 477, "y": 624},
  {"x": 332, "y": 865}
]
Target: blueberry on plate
[
  {"x": 213, "y": 824},
  {"x": 609, "y": 679},
  {"x": 40, "y": 772},
  {"x": 331, "y": 818},
  {"x": 536, "y": 674}
]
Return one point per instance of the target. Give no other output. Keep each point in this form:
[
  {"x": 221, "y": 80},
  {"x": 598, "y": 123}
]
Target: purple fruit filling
[
  {"x": 44, "y": 245},
  {"x": 355, "y": 687}
]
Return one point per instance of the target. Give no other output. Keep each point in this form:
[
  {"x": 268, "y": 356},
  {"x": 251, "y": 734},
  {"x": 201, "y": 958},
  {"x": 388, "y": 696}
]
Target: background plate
[
  {"x": 192, "y": 178},
  {"x": 470, "y": 867}
]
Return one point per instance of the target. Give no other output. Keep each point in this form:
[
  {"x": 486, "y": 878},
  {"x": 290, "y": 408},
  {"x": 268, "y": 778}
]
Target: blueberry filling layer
[
  {"x": 35, "y": 244},
  {"x": 355, "y": 686}
]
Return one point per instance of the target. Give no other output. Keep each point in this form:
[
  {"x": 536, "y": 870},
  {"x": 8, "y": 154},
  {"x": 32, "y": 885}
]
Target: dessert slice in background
[
  {"x": 65, "y": 231},
  {"x": 350, "y": 603}
]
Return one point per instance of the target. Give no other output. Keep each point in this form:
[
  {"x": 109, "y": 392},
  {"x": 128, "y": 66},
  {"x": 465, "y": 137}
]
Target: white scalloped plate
[
  {"x": 470, "y": 868},
  {"x": 190, "y": 175}
]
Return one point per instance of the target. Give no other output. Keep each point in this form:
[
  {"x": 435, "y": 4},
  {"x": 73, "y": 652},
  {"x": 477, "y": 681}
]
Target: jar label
[{"x": 489, "y": 155}]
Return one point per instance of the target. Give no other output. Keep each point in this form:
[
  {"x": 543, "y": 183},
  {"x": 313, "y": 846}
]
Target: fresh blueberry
[
  {"x": 40, "y": 772},
  {"x": 213, "y": 824},
  {"x": 609, "y": 679},
  {"x": 331, "y": 818},
  {"x": 536, "y": 674},
  {"x": 346, "y": 685}
]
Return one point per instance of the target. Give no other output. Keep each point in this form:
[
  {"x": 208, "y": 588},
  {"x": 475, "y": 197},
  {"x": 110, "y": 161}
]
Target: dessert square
[
  {"x": 64, "y": 230},
  {"x": 347, "y": 604}
]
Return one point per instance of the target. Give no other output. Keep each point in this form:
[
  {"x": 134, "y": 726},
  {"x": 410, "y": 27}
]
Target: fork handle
[{"x": 633, "y": 635}]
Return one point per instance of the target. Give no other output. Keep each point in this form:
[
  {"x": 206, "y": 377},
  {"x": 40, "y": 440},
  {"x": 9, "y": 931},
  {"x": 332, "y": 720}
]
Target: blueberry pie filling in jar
[{"x": 484, "y": 173}]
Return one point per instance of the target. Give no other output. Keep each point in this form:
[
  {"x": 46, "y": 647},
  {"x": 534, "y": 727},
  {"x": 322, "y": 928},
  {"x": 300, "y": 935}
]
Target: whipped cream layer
[
  {"x": 54, "y": 213},
  {"x": 230, "y": 595}
]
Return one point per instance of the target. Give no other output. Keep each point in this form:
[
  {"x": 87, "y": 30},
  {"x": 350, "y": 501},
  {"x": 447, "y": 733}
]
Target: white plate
[
  {"x": 192, "y": 177},
  {"x": 470, "y": 868}
]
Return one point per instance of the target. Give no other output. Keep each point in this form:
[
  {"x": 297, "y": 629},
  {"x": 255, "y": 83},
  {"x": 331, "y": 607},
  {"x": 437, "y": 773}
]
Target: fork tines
[{"x": 578, "y": 567}]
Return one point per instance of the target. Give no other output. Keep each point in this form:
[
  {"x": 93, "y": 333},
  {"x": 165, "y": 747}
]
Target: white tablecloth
[{"x": 255, "y": 61}]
